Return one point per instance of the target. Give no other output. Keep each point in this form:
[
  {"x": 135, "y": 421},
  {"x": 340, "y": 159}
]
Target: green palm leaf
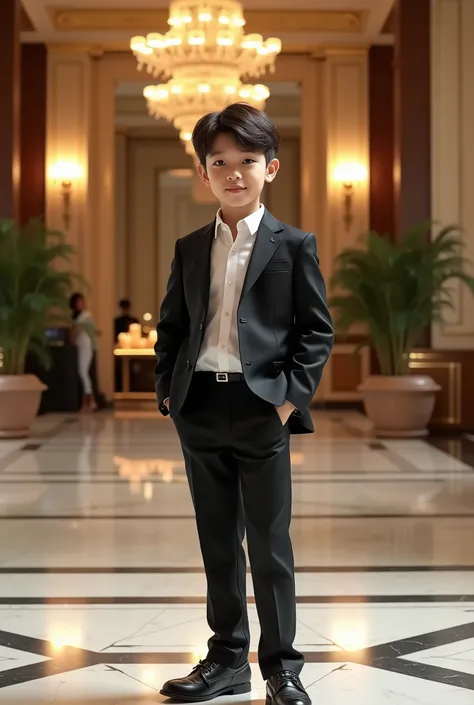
[
  {"x": 398, "y": 288},
  {"x": 35, "y": 284}
]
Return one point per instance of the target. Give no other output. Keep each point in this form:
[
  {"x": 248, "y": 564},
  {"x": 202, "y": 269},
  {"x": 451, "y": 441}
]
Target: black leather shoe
[
  {"x": 209, "y": 680},
  {"x": 285, "y": 688}
]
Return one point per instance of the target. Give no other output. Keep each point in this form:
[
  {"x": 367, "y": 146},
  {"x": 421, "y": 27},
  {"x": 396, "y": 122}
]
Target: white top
[
  {"x": 86, "y": 330},
  {"x": 229, "y": 263}
]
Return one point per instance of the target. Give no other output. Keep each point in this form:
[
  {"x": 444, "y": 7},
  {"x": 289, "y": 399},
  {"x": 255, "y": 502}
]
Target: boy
[{"x": 243, "y": 337}]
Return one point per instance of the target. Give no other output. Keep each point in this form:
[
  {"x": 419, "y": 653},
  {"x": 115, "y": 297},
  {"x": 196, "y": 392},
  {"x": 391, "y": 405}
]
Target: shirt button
[
  {"x": 229, "y": 282},
  {"x": 223, "y": 347},
  {"x": 226, "y": 313}
]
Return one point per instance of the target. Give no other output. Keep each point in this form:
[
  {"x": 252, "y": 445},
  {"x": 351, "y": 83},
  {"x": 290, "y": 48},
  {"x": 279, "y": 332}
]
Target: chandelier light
[{"x": 203, "y": 58}]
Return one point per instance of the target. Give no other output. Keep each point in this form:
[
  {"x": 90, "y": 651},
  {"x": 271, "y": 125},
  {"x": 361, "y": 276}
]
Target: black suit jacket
[{"x": 285, "y": 329}]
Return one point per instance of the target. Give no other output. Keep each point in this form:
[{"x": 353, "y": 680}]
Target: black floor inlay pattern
[
  {"x": 461, "y": 448},
  {"x": 190, "y": 517},
  {"x": 106, "y": 570},
  {"x": 201, "y": 600},
  {"x": 383, "y": 656}
]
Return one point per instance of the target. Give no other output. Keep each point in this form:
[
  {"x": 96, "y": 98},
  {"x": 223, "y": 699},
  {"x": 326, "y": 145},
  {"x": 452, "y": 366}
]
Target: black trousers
[{"x": 237, "y": 459}]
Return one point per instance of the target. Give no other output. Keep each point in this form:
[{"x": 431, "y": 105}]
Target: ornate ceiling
[{"x": 308, "y": 26}]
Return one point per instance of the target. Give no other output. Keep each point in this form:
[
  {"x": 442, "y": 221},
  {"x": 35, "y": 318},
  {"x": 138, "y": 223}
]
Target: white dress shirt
[{"x": 229, "y": 263}]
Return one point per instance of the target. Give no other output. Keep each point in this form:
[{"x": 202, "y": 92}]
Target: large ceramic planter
[
  {"x": 20, "y": 397},
  {"x": 399, "y": 407}
]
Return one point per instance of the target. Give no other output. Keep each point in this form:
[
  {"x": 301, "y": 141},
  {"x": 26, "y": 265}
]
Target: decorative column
[
  {"x": 33, "y": 131},
  {"x": 10, "y": 60},
  {"x": 412, "y": 167},
  {"x": 345, "y": 110},
  {"x": 450, "y": 361},
  {"x": 381, "y": 140},
  {"x": 452, "y": 144},
  {"x": 69, "y": 131}
]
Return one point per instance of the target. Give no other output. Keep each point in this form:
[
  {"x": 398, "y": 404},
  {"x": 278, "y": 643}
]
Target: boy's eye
[
  {"x": 249, "y": 161},
  {"x": 218, "y": 162}
]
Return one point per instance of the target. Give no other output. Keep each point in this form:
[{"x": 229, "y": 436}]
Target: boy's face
[{"x": 236, "y": 177}]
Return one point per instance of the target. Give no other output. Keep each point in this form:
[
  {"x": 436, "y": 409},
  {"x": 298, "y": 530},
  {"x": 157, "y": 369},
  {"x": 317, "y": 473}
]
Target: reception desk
[{"x": 135, "y": 370}]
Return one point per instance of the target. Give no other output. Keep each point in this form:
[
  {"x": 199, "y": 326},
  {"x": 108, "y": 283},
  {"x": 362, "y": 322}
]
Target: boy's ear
[
  {"x": 203, "y": 174},
  {"x": 272, "y": 170}
]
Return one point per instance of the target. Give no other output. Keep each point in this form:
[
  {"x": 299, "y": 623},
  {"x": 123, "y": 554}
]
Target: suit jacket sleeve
[
  {"x": 171, "y": 330},
  {"x": 313, "y": 333}
]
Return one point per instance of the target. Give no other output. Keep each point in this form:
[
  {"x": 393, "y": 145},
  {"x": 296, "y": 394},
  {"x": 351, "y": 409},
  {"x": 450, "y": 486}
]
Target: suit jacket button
[
  {"x": 248, "y": 363},
  {"x": 273, "y": 239},
  {"x": 243, "y": 320},
  {"x": 188, "y": 364}
]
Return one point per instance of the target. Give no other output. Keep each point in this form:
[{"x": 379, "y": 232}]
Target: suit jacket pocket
[
  {"x": 278, "y": 367},
  {"x": 282, "y": 265}
]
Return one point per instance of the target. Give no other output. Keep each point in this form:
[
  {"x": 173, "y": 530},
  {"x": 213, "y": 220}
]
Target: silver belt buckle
[{"x": 222, "y": 377}]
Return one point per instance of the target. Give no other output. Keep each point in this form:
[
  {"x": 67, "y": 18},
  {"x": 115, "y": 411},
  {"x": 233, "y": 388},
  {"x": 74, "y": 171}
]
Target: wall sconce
[
  {"x": 66, "y": 173},
  {"x": 349, "y": 175}
]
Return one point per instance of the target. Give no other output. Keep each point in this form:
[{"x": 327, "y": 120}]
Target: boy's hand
[{"x": 285, "y": 411}]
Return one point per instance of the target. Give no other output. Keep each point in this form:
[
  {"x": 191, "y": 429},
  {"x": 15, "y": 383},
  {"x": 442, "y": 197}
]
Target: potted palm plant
[
  {"x": 34, "y": 287},
  {"x": 397, "y": 289}
]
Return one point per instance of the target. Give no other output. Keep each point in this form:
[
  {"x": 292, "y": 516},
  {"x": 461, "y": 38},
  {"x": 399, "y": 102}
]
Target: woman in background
[{"x": 84, "y": 335}]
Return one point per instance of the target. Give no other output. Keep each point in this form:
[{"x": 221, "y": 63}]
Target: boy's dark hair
[
  {"x": 74, "y": 298},
  {"x": 251, "y": 128}
]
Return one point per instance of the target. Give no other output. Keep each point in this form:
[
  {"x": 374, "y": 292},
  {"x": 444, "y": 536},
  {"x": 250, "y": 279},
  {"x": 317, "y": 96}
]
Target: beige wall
[
  {"x": 452, "y": 36},
  {"x": 81, "y": 126}
]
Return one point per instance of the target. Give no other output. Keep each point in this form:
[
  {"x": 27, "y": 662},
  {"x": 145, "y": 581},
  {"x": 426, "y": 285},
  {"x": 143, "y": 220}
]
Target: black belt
[{"x": 220, "y": 376}]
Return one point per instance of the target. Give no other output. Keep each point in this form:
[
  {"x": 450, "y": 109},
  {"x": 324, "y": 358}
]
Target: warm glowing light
[
  {"x": 350, "y": 636},
  {"x": 224, "y": 38},
  {"x": 199, "y": 653},
  {"x": 252, "y": 41},
  {"x": 64, "y": 638},
  {"x": 156, "y": 40},
  {"x": 147, "y": 316},
  {"x": 205, "y": 15},
  {"x": 196, "y": 37},
  {"x": 66, "y": 171},
  {"x": 350, "y": 173}
]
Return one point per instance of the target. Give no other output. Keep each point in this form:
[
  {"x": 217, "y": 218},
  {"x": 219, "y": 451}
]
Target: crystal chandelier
[{"x": 203, "y": 58}]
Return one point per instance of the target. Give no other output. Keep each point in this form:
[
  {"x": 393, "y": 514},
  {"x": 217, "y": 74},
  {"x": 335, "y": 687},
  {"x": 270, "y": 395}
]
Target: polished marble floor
[{"x": 102, "y": 594}]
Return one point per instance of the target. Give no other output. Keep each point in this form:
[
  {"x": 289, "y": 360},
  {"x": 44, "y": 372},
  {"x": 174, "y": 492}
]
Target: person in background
[
  {"x": 84, "y": 335},
  {"x": 123, "y": 321},
  {"x": 121, "y": 325}
]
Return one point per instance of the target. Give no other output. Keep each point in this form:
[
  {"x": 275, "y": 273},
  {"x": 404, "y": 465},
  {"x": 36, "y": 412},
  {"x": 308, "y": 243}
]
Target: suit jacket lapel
[{"x": 266, "y": 243}]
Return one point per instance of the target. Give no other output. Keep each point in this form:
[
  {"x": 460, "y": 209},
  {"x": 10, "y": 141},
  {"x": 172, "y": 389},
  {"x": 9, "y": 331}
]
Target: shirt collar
[{"x": 252, "y": 221}]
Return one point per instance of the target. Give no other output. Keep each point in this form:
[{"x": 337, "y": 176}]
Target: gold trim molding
[
  {"x": 420, "y": 361},
  {"x": 98, "y": 49},
  {"x": 69, "y": 19}
]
